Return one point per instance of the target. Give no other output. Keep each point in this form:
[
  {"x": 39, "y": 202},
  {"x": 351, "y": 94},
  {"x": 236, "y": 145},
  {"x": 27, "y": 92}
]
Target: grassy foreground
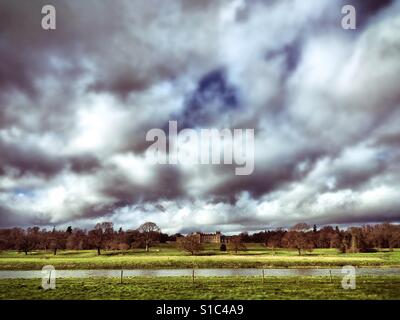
[
  {"x": 166, "y": 256},
  {"x": 137, "y": 288}
]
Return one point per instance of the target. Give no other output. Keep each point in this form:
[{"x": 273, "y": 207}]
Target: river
[{"x": 31, "y": 274}]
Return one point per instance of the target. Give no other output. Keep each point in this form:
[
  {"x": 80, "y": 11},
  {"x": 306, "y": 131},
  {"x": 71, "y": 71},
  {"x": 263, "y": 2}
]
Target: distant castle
[{"x": 209, "y": 237}]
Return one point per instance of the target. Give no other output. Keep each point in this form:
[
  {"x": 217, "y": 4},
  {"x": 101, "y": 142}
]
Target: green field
[
  {"x": 167, "y": 256},
  {"x": 367, "y": 287}
]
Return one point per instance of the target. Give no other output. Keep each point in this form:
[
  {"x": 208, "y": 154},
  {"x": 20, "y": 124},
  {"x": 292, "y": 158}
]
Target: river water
[{"x": 31, "y": 274}]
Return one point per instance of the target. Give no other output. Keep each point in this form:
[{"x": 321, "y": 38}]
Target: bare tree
[
  {"x": 58, "y": 240},
  {"x": 102, "y": 233},
  {"x": 297, "y": 238},
  {"x": 77, "y": 240},
  {"x": 150, "y": 232},
  {"x": 274, "y": 242},
  {"x": 358, "y": 240},
  {"x": 236, "y": 244},
  {"x": 189, "y": 243},
  {"x": 29, "y": 240},
  {"x": 300, "y": 227}
]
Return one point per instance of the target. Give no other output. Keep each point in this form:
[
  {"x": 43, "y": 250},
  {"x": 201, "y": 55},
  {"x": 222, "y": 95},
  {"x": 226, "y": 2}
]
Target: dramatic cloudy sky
[{"x": 76, "y": 103}]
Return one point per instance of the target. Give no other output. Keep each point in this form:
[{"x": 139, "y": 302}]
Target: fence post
[
  {"x": 262, "y": 275},
  {"x": 330, "y": 275},
  {"x": 122, "y": 274},
  {"x": 193, "y": 276}
]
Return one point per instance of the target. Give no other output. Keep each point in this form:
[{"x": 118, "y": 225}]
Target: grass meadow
[{"x": 210, "y": 288}]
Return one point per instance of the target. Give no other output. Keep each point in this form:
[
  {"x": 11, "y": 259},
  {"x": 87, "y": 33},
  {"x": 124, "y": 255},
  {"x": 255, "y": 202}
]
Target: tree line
[
  {"x": 101, "y": 237},
  {"x": 301, "y": 237}
]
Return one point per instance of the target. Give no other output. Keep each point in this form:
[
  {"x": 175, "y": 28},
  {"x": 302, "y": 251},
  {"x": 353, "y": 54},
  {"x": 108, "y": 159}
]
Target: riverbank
[
  {"x": 165, "y": 257},
  {"x": 138, "y": 288}
]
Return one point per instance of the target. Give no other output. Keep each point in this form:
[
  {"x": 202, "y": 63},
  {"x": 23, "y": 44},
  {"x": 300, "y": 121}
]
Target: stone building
[{"x": 208, "y": 237}]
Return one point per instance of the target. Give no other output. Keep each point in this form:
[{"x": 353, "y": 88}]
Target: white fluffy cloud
[{"x": 77, "y": 103}]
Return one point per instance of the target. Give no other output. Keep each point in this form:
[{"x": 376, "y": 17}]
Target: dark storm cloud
[
  {"x": 389, "y": 140},
  {"x": 118, "y": 186},
  {"x": 28, "y": 160},
  {"x": 212, "y": 97},
  {"x": 25, "y": 49},
  {"x": 9, "y": 218},
  {"x": 290, "y": 52},
  {"x": 355, "y": 176},
  {"x": 368, "y": 9},
  {"x": 84, "y": 32},
  {"x": 365, "y": 218},
  {"x": 257, "y": 185},
  {"x": 122, "y": 85},
  {"x": 84, "y": 163}
]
